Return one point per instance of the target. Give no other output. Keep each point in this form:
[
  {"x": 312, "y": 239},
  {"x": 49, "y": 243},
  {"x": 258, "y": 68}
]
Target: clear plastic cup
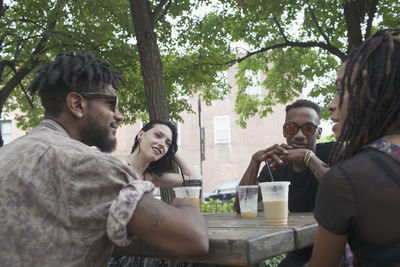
[
  {"x": 195, "y": 182},
  {"x": 248, "y": 198},
  {"x": 275, "y": 199},
  {"x": 190, "y": 192}
]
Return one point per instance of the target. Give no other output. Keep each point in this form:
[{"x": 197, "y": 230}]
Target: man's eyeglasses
[
  {"x": 90, "y": 95},
  {"x": 292, "y": 128}
]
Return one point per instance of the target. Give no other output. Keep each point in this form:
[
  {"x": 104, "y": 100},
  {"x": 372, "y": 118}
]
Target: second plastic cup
[
  {"x": 190, "y": 192},
  {"x": 195, "y": 182},
  {"x": 275, "y": 199},
  {"x": 248, "y": 197}
]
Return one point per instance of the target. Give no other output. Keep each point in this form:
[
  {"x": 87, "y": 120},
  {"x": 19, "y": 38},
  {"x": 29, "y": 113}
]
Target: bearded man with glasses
[
  {"x": 64, "y": 203},
  {"x": 300, "y": 161}
]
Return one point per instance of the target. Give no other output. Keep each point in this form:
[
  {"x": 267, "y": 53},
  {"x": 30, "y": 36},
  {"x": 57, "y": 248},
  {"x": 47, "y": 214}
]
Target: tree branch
[
  {"x": 26, "y": 95},
  {"x": 331, "y": 49},
  {"x": 317, "y": 25},
  {"x": 20, "y": 40},
  {"x": 280, "y": 28},
  {"x": 34, "y": 58},
  {"x": 156, "y": 13},
  {"x": 243, "y": 5},
  {"x": 371, "y": 15},
  {"x": 4, "y": 63},
  {"x": 32, "y": 22},
  {"x": 12, "y": 66},
  {"x": 3, "y": 8}
]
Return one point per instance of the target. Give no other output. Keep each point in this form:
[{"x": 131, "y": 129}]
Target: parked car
[
  {"x": 224, "y": 191},
  {"x": 157, "y": 192}
]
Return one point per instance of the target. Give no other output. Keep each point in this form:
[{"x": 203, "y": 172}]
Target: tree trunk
[
  {"x": 353, "y": 16},
  {"x": 151, "y": 67},
  {"x": 150, "y": 60}
]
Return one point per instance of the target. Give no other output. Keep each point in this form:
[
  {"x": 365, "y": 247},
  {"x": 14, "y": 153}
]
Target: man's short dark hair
[
  {"x": 71, "y": 72},
  {"x": 304, "y": 103}
]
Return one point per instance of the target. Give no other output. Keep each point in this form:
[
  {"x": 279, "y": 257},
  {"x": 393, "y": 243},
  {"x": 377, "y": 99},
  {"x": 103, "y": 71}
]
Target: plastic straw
[
  {"x": 183, "y": 176},
  {"x": 270, "y": 173}
]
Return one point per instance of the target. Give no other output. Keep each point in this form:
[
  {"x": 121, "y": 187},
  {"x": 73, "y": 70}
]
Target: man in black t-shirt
[
  {"x": 303, "y": 184},
  {"x": 300, "y": 161}
]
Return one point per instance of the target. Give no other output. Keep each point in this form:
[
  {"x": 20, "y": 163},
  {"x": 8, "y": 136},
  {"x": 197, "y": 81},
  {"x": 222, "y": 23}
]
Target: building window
[
  {"x": 221, "y": 130},
  {"x": 6, "y": 131}
]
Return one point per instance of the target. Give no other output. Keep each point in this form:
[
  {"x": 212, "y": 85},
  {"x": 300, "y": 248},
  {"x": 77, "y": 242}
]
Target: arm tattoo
[{"x": 152, "y": 210}]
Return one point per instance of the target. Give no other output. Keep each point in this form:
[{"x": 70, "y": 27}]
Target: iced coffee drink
[
  {"x": 276, "y": 212},
  {"x": 275, "y": 199}
]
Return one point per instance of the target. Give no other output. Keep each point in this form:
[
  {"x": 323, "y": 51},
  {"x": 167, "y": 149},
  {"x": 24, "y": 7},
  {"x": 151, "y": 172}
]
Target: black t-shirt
[
  {"x": 360, "y": 197},
  {"x": 303, "y": 185}
]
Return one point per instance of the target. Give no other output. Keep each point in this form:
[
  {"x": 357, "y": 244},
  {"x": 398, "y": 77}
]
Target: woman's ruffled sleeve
[{"x": 122, "y": 209}]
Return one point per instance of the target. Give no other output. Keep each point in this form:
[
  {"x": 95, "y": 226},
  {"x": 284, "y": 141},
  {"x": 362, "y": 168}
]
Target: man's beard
[{"x": 98, "y": 136}]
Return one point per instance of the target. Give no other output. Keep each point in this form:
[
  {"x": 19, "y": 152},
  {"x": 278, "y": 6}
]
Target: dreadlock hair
[
  {"x": 372, "y": 78},
  {"x": 71, "y": 72},
  {"x": 165, "y": 163},
  {"x": 304, "y": 103}
]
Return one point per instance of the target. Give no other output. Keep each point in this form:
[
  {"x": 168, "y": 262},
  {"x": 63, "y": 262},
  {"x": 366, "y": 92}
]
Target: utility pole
[{"x": 202, "y": 139}]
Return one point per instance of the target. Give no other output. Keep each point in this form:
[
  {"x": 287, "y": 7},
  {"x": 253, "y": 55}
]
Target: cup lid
[
  {"x": 247, "y": 186},
  {"x": 193, "y": 182},
  {"x": 274, "y": 183}
]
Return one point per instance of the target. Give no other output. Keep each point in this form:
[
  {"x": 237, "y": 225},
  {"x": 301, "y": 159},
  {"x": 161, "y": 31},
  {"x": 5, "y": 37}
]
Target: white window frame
[
  {"x": 7, "y": 136},
  {"x": 224, "y": 127}
]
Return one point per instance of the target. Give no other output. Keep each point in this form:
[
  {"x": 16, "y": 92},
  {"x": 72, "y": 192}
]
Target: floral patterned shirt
[{"x": 63, "y": 203}]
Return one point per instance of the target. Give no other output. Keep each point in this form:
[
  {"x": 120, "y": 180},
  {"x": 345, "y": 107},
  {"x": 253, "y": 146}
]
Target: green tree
[
  {"x": 34, "y": 31},
  {"x": 106, "y": 29},
  {"x": 292, "y": 42},
  {"x": 22, "y": 47},
  {"x": 149, "y": 17}
]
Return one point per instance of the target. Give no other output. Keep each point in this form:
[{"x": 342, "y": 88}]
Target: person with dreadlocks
[
  {"x": 65, "y": 203},
  {"x": 359, "y": 197}
]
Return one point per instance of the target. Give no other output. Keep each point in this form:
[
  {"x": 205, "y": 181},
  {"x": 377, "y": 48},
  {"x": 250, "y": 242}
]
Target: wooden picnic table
[{"x": 240, "y": 241}]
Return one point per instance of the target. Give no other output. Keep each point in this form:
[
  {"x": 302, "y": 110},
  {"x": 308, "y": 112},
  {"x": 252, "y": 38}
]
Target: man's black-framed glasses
[
  {"x": 92, "y": 95},
  {"x": 292, "y": 128}
]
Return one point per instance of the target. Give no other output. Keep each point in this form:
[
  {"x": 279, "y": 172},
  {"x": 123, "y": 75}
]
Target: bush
[
  {"x": 218, "y": 206},
  {"x": 271, "y": 262}
]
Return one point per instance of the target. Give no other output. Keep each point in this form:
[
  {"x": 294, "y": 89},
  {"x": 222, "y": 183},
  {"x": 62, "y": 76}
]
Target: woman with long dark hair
[
  {"x": 359, "y": 197},
  {"x": 153, "y": 153}
]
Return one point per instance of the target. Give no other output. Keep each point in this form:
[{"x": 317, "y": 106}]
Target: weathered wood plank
[{"x": 240, "y": 241}]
